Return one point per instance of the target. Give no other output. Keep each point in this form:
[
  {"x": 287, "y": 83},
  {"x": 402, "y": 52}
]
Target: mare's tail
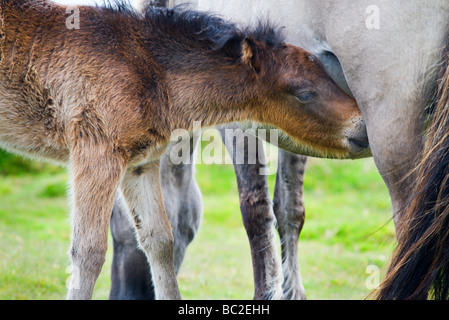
[{"x": 420, "y": 264}]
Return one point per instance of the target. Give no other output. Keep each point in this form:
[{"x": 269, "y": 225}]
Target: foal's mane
[{"x": 200, "y": 26}]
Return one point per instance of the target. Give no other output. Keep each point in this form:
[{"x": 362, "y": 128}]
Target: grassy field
[{"x": 348, "y": 228}]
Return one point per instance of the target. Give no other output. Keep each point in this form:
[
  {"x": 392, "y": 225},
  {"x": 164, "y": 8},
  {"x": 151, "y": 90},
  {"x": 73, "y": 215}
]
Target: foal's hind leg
[
  {"x": 142, "y": 191},
  {"x": 130, "y": 276},
  {"x": 290, "y": 215},
  {"x": 258, "y": 219},
  {"x": 96, "y": 175}
]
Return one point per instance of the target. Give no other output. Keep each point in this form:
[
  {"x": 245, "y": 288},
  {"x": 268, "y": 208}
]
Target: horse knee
[
  {"x": 257, "y": 214},
  {"x": 158, "y": 246},
  {"x": 255, "y": 203},
  {"x": 296, "y": 216}
]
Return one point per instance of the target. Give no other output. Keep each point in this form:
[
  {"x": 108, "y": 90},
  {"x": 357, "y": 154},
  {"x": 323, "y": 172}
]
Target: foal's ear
[{"x": 251, "y": 51}]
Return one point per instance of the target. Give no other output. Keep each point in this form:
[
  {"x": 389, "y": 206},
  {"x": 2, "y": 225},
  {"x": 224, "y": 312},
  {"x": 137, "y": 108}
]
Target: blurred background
[{"x": 348, "y": 228}]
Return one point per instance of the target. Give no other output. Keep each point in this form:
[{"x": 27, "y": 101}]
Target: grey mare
[{"x": 384, "y": 54}]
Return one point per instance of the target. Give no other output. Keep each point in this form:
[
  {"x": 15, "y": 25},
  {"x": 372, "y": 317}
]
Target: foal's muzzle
[{"x": 357, "y": 140}]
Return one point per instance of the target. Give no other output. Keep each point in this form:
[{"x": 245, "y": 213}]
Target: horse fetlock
[
  {"x": 293, "y": 287},
  {"x": 82, "y": 280},
  {"x": 160, "y": 253}
]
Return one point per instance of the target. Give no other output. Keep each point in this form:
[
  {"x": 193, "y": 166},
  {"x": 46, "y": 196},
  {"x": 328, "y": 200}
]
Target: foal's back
[{"x": 59, "y": 84}]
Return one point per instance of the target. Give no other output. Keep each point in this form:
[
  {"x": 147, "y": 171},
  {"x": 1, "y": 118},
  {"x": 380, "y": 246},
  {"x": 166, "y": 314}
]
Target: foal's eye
[{"x": 305, "y": 96}]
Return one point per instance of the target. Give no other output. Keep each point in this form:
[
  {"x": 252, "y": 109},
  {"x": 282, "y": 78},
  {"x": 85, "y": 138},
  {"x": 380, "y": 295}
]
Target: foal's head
[{"x": 298, "y": 96}]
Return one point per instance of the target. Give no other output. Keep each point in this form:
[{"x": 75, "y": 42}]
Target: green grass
[{"x": 348, "y": 227}]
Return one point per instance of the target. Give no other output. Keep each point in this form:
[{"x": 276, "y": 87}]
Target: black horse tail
[{"x": 420, "y": 264}]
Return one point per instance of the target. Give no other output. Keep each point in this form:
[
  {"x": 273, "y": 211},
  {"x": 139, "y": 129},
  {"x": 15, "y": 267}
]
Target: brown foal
[{"x": 104, "y": 99}]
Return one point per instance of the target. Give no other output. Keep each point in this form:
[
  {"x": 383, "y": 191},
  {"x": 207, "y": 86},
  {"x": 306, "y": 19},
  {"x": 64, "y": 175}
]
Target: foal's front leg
[
  {"x": 142, "y": 191},
  {"x": 96, "y": 174}
]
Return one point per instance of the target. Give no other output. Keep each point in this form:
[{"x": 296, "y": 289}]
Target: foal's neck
[
  {"x": 206, "y": 87},
  {"x": 214, "y": 97}
]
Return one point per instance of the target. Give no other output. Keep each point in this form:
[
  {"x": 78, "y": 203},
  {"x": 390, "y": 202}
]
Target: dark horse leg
[
  {"x": 258, "y": 217},
  {"x": 130, "y": 273},
  {"x": 288, "y": 205}
]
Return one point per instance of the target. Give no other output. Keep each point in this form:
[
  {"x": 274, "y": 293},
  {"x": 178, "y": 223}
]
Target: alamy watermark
[
  {"x": 73, "y": 20},
  {"x": 73, "y": 281},
  {"x": 373, "y": 280},
  {"x": 244, "y": 146},
  {"x": 372, "y": 22}
]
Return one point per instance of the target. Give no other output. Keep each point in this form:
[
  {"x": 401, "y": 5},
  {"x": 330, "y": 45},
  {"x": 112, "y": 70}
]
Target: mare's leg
[
  {"x": 130, "y": 273},
  {"x": 258, "y": 219},
  {"x": 142, "y": 192},
  {"x": 288, "y": 205},
  {"x": 96, "y": 175},
  {"x": 182, "y": 199}
]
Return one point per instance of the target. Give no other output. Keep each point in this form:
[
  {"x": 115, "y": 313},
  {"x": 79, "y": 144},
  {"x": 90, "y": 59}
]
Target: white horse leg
[
  {"x": 288, "y": 205},
  {"x": 142, "y": 192}
]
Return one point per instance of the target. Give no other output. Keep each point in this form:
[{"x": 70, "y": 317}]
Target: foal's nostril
[
  {"x": 360, "y": 144},
  {"x": 359, "y": 148},
  {"x": 358, "y": 139}
]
